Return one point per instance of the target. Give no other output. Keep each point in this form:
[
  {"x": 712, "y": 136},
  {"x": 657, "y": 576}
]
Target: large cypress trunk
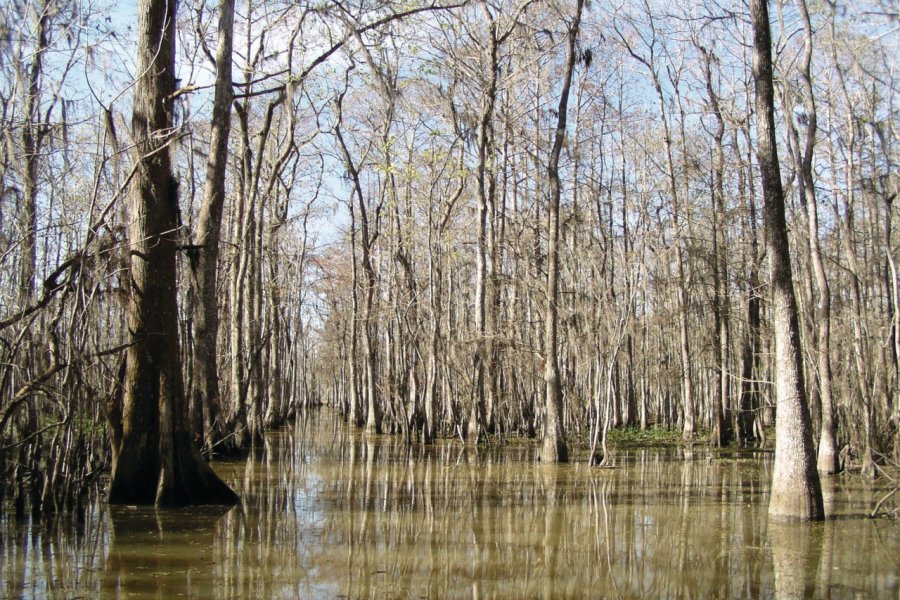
[
  {"x": 796, "y": 491},
  {"x": 156, "y": 461}
]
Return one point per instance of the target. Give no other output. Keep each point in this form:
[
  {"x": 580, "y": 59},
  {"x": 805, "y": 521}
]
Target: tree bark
[
  {"x": 553, "y": 446},
  {"x": 205, "y": 395},
  {"x": 827, "y": 452},
  {"x": 157, "y": 462},
  {"x": 796, "y": 491}
]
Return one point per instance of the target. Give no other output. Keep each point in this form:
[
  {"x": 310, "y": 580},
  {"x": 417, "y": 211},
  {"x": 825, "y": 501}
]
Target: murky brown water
[{"x": 327, "y": 513}]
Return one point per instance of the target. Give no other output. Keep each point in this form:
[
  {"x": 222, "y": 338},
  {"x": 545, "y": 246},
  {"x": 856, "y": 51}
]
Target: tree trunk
[
  {"x": 553, "y": 447},
  {"x": 157, "y": 462},
  {"x": 827, "y": 453},
  {"x": 719, "y": 434},
  {"x": 796, "y": 492},
  {"x": 31, "y": 142},
  {"x": 477, "y": 414},
  {"x": 373, "y": 416},
  {"x": 355, "y": 415},
  {"x": 373, "y": 408},
  {"x": 205, "y": 395},
  {"x": 749, "y": 418},
  {"x": 431, "y": 373}
]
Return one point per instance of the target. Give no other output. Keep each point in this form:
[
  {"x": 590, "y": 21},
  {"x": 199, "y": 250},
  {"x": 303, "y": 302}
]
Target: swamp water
[{"x": 328, "y": 513}]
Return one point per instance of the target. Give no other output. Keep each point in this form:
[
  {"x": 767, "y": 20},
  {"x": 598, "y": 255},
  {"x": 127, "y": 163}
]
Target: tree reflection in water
[
  {"x": 796, "y": 551},
  {"x": 330, "y": 512},
  {"x": 161, "y": 553}
]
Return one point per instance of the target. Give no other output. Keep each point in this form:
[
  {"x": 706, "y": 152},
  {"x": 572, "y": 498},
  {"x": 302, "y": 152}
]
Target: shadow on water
[{"x": 328, "y": 511}]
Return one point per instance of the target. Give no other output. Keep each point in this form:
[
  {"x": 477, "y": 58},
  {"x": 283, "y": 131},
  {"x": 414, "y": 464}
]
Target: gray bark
[
  {"x": 796, "y": 491},
  {"x": 553, "y": 446},
  {"x": 205, "y": 395}
]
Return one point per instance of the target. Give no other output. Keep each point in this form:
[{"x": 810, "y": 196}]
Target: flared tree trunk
[
  {"x": 796, "y": 491},
  {"x": 156, "y": 461}
]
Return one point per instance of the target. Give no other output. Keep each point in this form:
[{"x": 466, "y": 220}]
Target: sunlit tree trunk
[
  {"x": 894, "y": 286},
  {"x": 157, "y": 461},
  {"x": 373, "y": 408},
  {"x": 431, "y": 368},
  {"x": 796, "y": 493},
  {"x": 749, "y": 416},
  {"x": 827, "y": 451},
  {"x": 205, "y": 395},
  {"x": 719, "y": 433},
  {"x": 355, "y": 414},
  {"x": 477, "y": 413},
  {"x": 31, "y": 141},
  {"x": 849, "y": 242},
  {"x": 553, "y": 446},
  {"x": 238, "y": 342}
]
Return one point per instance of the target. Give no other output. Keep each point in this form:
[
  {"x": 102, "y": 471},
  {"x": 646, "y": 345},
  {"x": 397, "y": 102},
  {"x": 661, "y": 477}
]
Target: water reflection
[
  {"x": 330, "y": 512},
  {"x": 161, "y": 554},
  {"x": 796, "y": 550}
]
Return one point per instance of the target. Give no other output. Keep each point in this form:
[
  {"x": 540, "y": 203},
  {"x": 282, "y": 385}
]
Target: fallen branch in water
[
  {"x": 884, "y": 499},
  {"x": 890, "y": 493}
]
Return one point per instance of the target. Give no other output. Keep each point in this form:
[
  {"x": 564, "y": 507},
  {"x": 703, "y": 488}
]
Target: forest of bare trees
[{"x": 473, "y": 220}]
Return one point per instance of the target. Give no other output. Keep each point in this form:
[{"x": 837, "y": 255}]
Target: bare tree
[
  {"x": 553, "y": 446},
  {"x": 205, "y": 395},
  {"x": 796, "y": 492},
  {"x": 156, "y": 459}
]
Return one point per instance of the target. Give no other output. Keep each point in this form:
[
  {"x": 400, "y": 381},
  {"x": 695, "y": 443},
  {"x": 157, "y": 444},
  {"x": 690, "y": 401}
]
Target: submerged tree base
[
  {"x": 554, "y": 450},
  {"x": 188, "y": 481}
]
